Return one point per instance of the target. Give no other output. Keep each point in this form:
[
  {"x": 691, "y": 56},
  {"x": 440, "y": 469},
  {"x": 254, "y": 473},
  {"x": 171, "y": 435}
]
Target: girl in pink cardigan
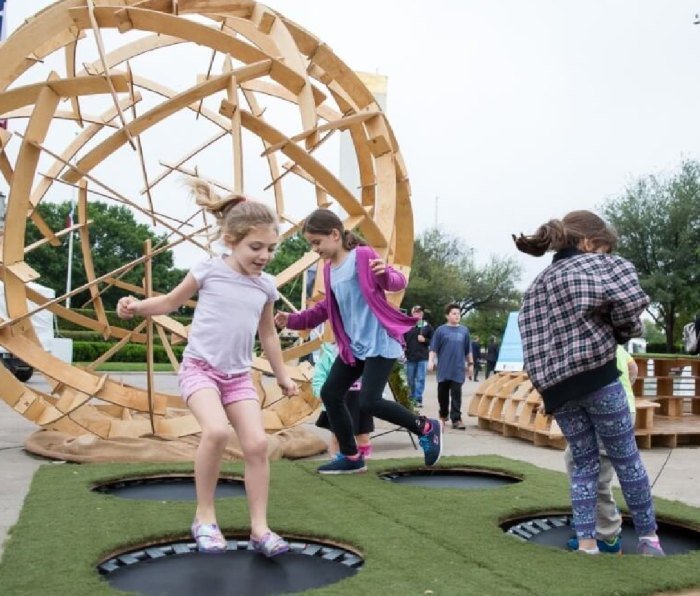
[{"x": 369, "y": 333}]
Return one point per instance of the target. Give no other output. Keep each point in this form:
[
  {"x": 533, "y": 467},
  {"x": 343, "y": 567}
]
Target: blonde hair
[
  {"x": 568, "y": 232},
  {"x": 236, "y": 214}
]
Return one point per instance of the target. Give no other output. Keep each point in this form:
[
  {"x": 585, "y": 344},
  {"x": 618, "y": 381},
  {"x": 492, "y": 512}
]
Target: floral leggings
[{"x": 605, "y": 414}]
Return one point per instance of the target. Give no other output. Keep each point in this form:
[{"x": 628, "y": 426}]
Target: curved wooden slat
[
  {"x": 155, "y": 22},
  {"x": 162, "y": 111},
  {"x": 29, "y": 94}
]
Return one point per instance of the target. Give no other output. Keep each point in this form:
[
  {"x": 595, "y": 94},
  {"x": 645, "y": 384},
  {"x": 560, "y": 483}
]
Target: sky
[{"x": 511, "y": 112}]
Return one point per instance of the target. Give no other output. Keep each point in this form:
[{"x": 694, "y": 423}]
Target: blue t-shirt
[
  {"x": 368, "y": 337},
  {"x": 452, "y": 345}
]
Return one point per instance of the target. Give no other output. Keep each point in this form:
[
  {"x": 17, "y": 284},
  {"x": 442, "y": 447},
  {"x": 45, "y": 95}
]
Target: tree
[
  {"x": 444, "y": 271},
  {"x": 115, "y": 239},
  {"x": 485, "y": 324},
  {"x": 289, "y": 252},
  {"x": 658, "y": 221}
]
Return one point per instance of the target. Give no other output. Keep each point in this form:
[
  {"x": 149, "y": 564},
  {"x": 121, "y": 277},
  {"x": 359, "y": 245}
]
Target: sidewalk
[{"x": 675, "y": 474}]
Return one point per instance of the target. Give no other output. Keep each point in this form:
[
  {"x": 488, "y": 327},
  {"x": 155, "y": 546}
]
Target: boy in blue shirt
[{"x": 451, "y": 346}]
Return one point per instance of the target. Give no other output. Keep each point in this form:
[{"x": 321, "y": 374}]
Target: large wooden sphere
[{"x": 107, "y": 99}]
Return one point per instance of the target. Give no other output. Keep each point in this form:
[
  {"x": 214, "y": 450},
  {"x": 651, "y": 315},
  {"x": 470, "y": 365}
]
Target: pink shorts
[{"x": 197, "y": 374}]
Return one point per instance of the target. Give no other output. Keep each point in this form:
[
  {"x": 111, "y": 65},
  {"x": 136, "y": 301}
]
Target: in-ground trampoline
[
  {"x": 555, "y": 530},
  {"x": 177, "y": 569},
  {"x": 167, "y": 488},
  {"x": 461, "y": 478}
]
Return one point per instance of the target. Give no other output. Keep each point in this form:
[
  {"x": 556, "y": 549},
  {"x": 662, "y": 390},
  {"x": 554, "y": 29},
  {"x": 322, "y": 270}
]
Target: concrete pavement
[{"x": 674, "y": 473}]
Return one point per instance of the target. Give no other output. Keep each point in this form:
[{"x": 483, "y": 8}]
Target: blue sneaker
[
  {"x": 612, "y": 546},
  {"x": 342, "y": 465},
  {"x": 431, "y": 442}
]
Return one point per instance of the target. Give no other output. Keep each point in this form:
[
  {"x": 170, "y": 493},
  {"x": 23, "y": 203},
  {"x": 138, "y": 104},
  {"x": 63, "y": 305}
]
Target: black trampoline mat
[
  {"x": 237, "y": 572},
  {"x": 462, "y": 479},
  {"x": 168, "y": 488},
  {"x": 556, "y": 532}
]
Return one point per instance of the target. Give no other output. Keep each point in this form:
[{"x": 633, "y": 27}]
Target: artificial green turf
[{"x": 415, "y": 540}]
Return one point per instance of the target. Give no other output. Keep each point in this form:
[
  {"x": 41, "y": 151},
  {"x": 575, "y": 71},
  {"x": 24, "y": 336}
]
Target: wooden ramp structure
[
  {"x": 668, "y": 406},
  {"x": 237, "y": 84},
  {"x": 507, "y": 402},
  {"x": 672, "y": 384}
]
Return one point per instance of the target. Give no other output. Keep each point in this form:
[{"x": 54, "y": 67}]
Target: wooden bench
[
  {"x": 645, "y": 414},
  {"x": 669, "y": 405}
]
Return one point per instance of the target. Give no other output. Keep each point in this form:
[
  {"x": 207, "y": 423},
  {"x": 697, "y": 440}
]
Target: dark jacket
[
  {"x": 573, "y": 316},
  {"x": 492, "y": 351},
  {"x": 415, "y": 350},
  {"x": 476, "y": 352}
]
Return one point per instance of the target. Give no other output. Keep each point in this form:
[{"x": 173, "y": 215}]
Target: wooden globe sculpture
[{"x": 101, "y": 96}]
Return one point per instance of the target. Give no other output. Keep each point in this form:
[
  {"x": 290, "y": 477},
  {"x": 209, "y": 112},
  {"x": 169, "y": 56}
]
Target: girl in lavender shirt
[
  {"x": 369, "y": 333},
  {"x": 235, "y": 301}
]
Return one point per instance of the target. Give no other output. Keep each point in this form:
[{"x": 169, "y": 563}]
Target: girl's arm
[
  {"x": 305, "y": 319},
  {"x": 627, "y": 301},
  {"x": 270, "y": 343},
  {"x": 129, "y": 306},
  {"x": 387, "y": 277},
  {"x": 632, "y": 369}
]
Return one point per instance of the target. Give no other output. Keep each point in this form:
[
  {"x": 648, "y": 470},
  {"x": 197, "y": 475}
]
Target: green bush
[
  {"x": 87, "y": 351},
  {"x": 660, "y": 348},
  {"x": 112, "y": 319}
]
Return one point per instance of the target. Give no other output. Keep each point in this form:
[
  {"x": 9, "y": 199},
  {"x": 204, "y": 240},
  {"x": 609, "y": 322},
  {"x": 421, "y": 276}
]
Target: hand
[
  {"x": 377, "y": 266},
  {"x": 281, "y": 319},
  {"x": 289, "y": 387},
  {"x": 431, "y": 366},
  {"x": 420, "y": 339},
  {"x": 126, "y": 307}
]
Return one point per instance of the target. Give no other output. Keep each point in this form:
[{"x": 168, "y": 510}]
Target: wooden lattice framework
[{"x": 255, "y": 56}]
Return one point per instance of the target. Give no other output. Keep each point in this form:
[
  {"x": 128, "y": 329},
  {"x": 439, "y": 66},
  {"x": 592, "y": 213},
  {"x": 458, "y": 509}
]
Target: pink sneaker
[{"x": 365, "y": 451}]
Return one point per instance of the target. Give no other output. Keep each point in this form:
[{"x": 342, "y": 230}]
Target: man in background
[
  {"x": 417, "y": 347},
  {"x": 476, "y": 356}
]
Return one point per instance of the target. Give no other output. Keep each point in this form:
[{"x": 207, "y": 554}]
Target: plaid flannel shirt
[{"x": 573, "y": 316}]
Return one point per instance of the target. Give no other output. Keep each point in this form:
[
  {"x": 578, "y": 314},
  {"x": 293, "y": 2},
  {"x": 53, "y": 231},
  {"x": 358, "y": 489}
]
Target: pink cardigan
[{"x": 372, "y": 287}]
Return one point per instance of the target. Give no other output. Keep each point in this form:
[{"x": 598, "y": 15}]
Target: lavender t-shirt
[{"x": 227, "y": 315}]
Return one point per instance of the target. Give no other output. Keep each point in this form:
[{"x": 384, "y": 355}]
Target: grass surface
[{"x": 414, "y": 540}]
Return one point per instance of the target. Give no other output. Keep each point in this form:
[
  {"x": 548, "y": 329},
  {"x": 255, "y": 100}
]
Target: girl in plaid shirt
[{"x": 573, "y": 316}]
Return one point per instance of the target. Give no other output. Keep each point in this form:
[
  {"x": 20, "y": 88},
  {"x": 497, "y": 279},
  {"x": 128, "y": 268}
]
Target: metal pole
[{"x": 69, "y": 274}]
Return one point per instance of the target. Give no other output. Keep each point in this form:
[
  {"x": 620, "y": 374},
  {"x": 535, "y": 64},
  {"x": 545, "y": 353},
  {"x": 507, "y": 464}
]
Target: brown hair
[
  {"x": 568, "y": 232},
  {"x": 324, "y": 221},
  {"x": 236, "y": 214},
  {"x": 451, "y": 306}
]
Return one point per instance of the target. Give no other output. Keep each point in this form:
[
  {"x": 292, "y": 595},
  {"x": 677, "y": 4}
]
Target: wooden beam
[
  {"x": 77, "y": 86},
  {"x": 160, "y": 112}
]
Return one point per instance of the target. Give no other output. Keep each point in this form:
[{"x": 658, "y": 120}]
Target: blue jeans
[
  {"x": 415, "y": 372},
  {"x": 604, "y": 416}
]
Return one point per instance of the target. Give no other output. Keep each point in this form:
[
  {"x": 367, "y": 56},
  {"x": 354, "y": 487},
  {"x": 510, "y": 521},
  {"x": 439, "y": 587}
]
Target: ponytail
[
  {"x": 568, "y": 232},
  {"x": 235, "y": 213}
]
